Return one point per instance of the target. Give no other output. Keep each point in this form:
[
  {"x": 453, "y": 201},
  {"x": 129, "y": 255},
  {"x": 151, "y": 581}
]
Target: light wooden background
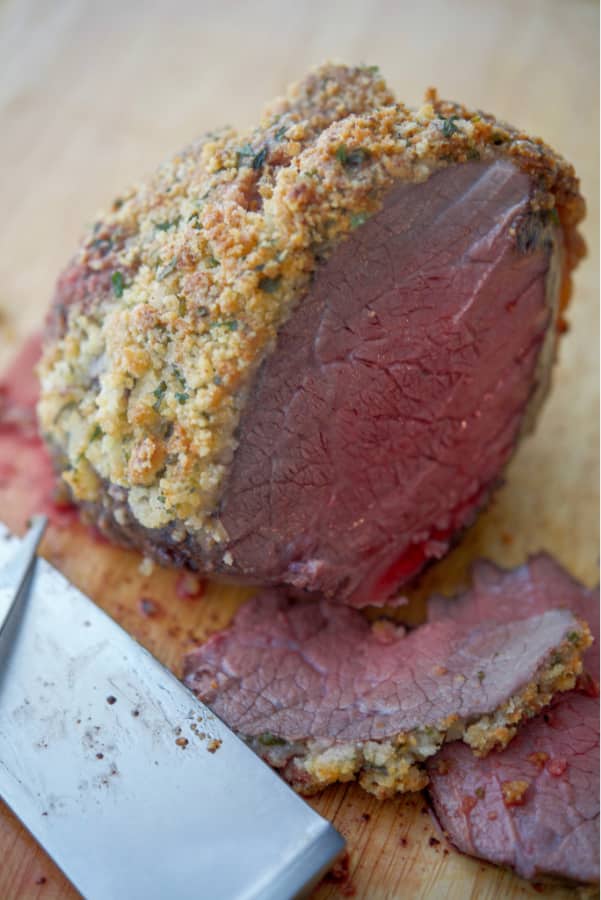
[{"x": 94, "y": 93}]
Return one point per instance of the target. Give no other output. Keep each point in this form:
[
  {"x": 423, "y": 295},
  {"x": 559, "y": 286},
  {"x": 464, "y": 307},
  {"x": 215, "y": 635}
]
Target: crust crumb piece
[
  {"x": 538, "y": 759},
  {"x": 146, "y": 567},
  {"x": 514, "y": 792}
]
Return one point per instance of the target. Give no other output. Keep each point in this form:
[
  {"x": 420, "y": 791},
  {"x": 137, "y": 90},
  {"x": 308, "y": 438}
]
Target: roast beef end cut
[
  {"x": 398, "y": 389},
  {"x": 534, "y": 806}
]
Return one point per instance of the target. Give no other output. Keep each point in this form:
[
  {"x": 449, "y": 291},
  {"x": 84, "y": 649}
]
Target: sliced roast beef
[
  {"x": 325, "y": 696},
  {"x": 535, "y": 805},
  {"x": 305, "y": 356}
]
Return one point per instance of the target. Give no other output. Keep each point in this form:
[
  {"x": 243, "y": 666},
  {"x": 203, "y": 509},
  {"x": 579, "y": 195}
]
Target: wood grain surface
[{"x": 94, "y": 94}]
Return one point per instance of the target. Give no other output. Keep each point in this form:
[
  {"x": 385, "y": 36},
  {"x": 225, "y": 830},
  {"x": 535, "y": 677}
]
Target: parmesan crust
[{"x": 191, "y": 274}]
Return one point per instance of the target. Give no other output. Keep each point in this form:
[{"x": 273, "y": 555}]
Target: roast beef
[
  {"x": 325, "y": 696},
  {"x": 305, "y": 356},
  {"x": 534, "y": 806}
]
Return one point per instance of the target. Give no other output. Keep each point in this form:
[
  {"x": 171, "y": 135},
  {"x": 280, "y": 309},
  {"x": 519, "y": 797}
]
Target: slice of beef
[
  {"x": 325, "y": 696},
  {"x": 535, "y": 805}
]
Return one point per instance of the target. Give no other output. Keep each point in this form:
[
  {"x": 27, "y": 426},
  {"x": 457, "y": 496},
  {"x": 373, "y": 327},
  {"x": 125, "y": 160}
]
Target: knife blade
[
  {"x": 134, "y": 787},
  {"x": 15, "y": 574}
]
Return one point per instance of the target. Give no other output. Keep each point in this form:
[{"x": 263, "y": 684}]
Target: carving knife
[{"x": 133, "y": 786}]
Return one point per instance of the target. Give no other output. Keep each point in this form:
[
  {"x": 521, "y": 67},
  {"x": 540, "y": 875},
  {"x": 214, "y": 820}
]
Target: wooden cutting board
[{"x": 93, "y": 94}]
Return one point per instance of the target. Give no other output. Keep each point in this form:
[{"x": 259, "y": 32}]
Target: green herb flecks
[
  {"x": 481, "y": 676},
  {"x": 270, "y": 285},
  {"x": 212, "y": 262},
  {"x": 271, "y": 740},
  {"x": 259, "y": 159},
  {"x": 118, "y": 283},
  {"x": 358, "y": 219},
  {"x": 357, "y": 157},
  {"x": 351, "y": 158},
  {"x": 181, "y": 396},
  {"x": 574, "y": 637},
  {"x": 165, "y": 226},
  {"x": 97, "y": 433},
  {"x": 178, "y": 374},
  {"x": 554, "y": 216},
  {"x": 102, "y": 244},
  {"x": 244, "y": 155},
  {"x": 448, "y": 125},
  {"x": 159, "y": 393},
  {"x": 280, "y": 133},
  {"x": 167, "y": 269},
  {"x": 342, "y": 154},
  {"x": 479, "y": 792}
]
